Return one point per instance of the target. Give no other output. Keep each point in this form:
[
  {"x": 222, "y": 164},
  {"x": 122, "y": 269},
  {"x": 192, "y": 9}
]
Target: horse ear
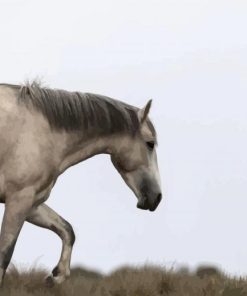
[{"x": 143, "y": 113}]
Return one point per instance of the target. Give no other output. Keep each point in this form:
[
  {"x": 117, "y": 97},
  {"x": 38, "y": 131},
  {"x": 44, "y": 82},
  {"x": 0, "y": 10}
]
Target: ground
[{"x": 127, "y": 281}]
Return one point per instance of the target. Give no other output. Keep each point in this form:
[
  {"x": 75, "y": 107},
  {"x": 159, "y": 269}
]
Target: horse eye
[{"x": 150, "y": 145}]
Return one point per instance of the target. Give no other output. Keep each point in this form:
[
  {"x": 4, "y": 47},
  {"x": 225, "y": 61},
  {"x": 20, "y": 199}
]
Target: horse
[{"x": 44, "y": 131}]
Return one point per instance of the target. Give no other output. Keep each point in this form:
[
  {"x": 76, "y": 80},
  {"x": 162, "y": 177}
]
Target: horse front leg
[
  {"x": 45, "y": 217},
  {"x": 17, "y": 207}
]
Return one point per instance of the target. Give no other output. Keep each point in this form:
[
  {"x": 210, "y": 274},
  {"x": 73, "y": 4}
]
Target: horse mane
[{"x": 73, "y": 111}]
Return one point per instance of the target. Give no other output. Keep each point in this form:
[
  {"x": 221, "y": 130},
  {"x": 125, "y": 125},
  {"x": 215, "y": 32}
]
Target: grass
[{"x": 127, "y": 281}]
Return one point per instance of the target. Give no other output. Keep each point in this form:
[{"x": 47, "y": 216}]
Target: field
[{"x": 127, "y": 281}]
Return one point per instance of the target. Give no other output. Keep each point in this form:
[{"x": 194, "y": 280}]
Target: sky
[{"x": 190, "y": 58}]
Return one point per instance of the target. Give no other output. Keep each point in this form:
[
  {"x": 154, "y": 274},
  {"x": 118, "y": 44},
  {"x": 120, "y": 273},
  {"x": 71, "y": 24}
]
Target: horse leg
[
  {"x": 17, "y": 207},
  {"x": 45, "y": 217}
]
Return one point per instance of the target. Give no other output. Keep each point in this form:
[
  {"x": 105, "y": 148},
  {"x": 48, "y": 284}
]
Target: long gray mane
[{"x": 75, "y": 110}]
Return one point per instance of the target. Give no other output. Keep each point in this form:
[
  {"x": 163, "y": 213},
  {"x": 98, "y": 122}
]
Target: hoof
[{"x": 49, "y": 281}]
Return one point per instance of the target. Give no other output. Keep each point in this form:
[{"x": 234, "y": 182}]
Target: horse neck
[{"x": 79, "y": 148}]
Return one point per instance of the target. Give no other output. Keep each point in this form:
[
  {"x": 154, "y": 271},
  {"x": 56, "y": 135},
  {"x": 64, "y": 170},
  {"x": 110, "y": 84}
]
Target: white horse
[{"x": 45, "y": 131}]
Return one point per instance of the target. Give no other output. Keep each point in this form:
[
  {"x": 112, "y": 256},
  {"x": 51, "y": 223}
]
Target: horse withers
[{"x": 45, "y": 131}]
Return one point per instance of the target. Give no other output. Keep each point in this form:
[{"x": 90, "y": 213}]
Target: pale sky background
[{"x": 191, "y": 58}]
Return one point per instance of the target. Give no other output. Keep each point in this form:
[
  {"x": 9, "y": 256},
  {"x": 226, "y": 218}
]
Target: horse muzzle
[{"x": 144, "y": 203}]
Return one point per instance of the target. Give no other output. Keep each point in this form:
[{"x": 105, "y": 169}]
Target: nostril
[{"x": 159, "y": 197}]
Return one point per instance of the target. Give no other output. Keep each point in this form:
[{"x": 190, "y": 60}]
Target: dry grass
[{"x": 145, "y": 281}]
